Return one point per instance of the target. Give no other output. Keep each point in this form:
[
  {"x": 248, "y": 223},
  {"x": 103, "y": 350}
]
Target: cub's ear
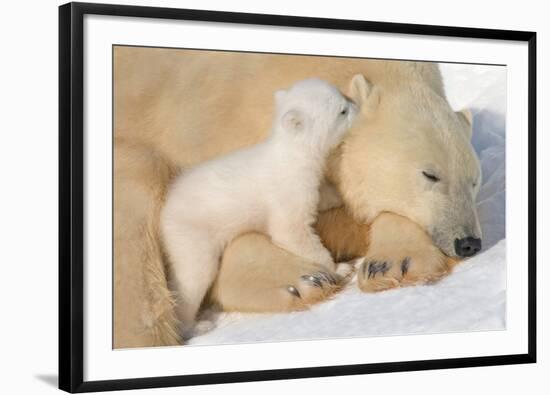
[
  {"x": 365, "y": 94},
  {"x": 467, "y": 118},
  {"x": 293, "y": 121}
]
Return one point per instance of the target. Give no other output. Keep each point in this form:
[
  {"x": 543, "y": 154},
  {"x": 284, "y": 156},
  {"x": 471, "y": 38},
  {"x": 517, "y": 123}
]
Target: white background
[{"x": 28, "y": 293}]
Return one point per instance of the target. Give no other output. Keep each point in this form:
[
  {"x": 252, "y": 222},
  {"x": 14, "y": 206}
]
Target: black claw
[
  {"x": 294, "y": 291},
  {"x": 329, "y": 278},
  {"x": 405, "y": 265},
  {"x": 377, "y": 267},
  {"x": 315, "y": 281},
  {"x": 322, "y": 276}
]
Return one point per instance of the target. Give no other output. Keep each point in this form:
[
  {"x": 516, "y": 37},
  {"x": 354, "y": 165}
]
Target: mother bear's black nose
[{"x": 467, "y": 246}]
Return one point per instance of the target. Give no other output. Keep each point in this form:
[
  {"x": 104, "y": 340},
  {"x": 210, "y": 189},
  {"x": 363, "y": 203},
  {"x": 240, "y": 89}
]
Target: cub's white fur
[{"x": 272, "y": 187}]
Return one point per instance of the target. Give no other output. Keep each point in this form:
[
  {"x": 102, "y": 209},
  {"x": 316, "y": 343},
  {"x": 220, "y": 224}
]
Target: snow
[{"x": 472, "y": 298}]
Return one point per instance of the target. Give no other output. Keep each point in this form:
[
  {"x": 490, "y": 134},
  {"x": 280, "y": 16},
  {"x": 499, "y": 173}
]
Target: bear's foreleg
[
  {"x": 257, "y": 276},
  {"x": 400, "y": 254}
]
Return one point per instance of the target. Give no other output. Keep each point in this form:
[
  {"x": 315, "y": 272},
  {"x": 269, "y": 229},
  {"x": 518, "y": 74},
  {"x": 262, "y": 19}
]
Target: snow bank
[{"x": 473, "y": 298}]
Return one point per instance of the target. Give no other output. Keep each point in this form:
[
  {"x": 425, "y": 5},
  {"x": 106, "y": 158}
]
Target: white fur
[{"x": 272, "y": 187}]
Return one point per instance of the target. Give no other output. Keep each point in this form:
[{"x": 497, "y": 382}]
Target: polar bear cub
[{"x": 271, "y": 187}]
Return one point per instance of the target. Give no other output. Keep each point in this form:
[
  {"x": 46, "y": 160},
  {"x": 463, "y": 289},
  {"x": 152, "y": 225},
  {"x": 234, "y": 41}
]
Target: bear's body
[
  {"x": 271, "y": 187},
  {"x": 177, "y": 108}
]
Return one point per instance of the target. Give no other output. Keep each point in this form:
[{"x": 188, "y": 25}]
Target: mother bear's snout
[{"x": 468, "y": 246}]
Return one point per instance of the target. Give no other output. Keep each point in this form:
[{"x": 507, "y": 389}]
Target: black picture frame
[{"x": 71, "y": 195}]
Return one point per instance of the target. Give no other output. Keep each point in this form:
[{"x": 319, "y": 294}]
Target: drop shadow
[{"x": 50, "y": 379}]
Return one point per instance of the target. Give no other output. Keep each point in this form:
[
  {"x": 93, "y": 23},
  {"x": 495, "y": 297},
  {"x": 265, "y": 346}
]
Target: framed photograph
[{"x": 250, "y": 197}]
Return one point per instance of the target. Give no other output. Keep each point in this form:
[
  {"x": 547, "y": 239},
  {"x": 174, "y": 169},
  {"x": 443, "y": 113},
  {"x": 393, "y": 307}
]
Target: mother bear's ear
[
  {"x": 364, "y": 93},
  {"x": 467, "y": 118}
]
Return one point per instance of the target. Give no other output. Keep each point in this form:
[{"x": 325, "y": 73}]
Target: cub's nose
[{"x": 467, "y": 246}]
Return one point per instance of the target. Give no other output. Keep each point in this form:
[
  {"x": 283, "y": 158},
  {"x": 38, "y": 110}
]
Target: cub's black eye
[
  {"x": 431, "y": 177},
  {"x": 344, "y": 111}
]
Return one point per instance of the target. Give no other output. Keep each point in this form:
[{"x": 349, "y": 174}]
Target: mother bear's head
[{"x": 411, "y": 154}]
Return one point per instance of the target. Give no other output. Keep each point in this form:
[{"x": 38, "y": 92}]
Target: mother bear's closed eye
[{"x": 431, "y": 177}]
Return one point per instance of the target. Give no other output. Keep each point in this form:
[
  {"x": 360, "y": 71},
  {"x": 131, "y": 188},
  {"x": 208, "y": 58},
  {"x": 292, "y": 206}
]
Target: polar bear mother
[{"x": 406, "y": 171}]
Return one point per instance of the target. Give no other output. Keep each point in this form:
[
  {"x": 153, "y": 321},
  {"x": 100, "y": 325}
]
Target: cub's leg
[
  {"x": 194, "y": 264},
  {"x": 257, "y": 276},
  {"x": 400, "y": 253},
  {"x": 301, "y": 240}
]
